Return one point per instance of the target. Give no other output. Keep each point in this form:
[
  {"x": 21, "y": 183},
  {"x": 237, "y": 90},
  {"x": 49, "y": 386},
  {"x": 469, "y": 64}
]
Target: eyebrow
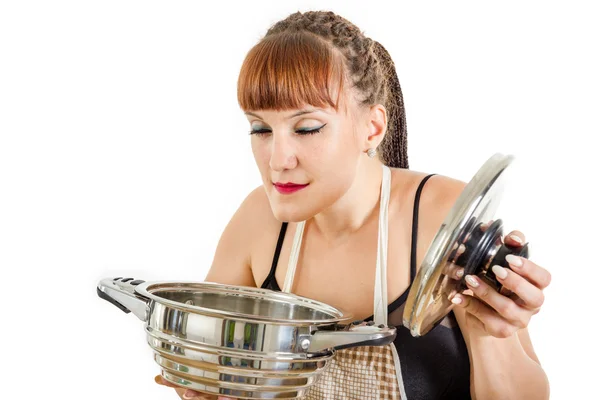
[{"x": 301, "y": 112}]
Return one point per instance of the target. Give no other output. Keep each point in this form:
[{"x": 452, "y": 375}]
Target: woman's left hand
[
  {"x": 499, "y": 315},
  {"x": 188, "y": 394}
]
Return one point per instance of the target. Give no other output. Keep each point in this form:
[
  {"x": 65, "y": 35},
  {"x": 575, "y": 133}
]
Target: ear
[{"x": 376, "y": 125}]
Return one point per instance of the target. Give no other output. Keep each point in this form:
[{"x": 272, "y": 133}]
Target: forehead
[
  {"x": 290, "y": 114},
  {"x": 348, "y": 108}
]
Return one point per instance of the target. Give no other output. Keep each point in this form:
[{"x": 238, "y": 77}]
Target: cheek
[
  {"x": 337, "y": 156},
  {"x": 261, "y": 153},
  {"x": 335, "y": 164}
]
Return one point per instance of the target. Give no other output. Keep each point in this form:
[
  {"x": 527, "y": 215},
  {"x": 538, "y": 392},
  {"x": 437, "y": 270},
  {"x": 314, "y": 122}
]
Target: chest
[{"x": 342, "y": 273}]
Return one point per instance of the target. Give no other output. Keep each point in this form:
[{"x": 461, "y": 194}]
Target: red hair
[{"x": 289, "y": 69}]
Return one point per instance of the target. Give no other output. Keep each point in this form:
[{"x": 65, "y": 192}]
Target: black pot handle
[{"x": 485, "y": 248}]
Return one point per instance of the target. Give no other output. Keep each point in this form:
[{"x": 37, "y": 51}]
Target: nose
[{"x": 283, "y": 154}]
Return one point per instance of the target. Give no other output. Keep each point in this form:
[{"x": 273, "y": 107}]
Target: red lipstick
[{"x": 289, "y": 187}]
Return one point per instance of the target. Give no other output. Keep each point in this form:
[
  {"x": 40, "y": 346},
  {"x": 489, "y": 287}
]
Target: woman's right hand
[{"x": 188, "y": 394}]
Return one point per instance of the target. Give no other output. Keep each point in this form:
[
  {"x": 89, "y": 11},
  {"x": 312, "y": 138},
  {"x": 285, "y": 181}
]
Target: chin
[
  {"x": 291, "y": 212},
  {"x": 300, "y": 207},
  {"x": 292, "y": 208}
]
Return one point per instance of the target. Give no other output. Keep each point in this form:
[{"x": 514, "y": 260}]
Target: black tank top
[{"x": 434, "y": 366}]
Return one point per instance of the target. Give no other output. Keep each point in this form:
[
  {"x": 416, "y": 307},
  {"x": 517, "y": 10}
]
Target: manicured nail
[
  {"x": 516, "y": 239},
  {"x": 514, "y": 260},
  {"x": 500, "y": 272},
  {"x": 456, "y": 300},
  {"x": 460, "y": 272},
  {"x": 189, "y": 394},
  {"x": 472, "y": 281},
  {"x": 452, "y": 294}
]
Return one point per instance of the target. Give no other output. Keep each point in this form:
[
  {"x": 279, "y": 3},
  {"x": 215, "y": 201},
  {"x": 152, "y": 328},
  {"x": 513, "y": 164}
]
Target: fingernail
[
  {"x": 460, "y": 272},
  {"x": 516, "y": 239},
  {"x": 500, "y": 272},
  {"x": 472, "y": 281},
  {"x": 189, "y": 394},
  {"x": 457, "y": 300},
  {"x": 452, "y": 294},
  {"x": 514, "y": 260}
]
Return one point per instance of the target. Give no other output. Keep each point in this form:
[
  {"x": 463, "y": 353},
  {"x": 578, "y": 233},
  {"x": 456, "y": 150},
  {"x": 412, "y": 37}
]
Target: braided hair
[{"x": 305, "y": 57}]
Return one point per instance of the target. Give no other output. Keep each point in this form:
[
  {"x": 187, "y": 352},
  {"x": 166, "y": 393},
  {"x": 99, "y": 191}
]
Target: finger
[
  {"x": 531, "y": 296},
  {"x": 535, "y": 274},
  {"x": 493, "y": 323},
  {"x": 190, "y": 394},
  {"x": 484, "y": 227},
  {"x": 162, "y": 381},
  {"x": 453, "y": 271},
  {"x": 182, "y": 392},
  {"x": 504, "y": 306},
  {"x": 456, "y": 252},
  {"x": 514, "y": 239}
]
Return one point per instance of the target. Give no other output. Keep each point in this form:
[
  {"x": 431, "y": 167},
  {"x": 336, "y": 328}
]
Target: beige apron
[{"x": 367, "y": 372}]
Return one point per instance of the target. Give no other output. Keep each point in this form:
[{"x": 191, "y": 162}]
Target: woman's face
[{"x": 307, "y": 158}]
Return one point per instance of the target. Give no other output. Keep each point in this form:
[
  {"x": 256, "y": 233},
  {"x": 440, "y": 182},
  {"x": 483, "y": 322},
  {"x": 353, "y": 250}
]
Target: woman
[{"x": 328, "y": 133}]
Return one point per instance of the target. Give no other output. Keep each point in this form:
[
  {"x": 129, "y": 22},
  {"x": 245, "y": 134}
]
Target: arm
[
  {"x": 231, "y": 263},
  {"x": 502, "y": 368},
  {"x": 503, "y": 362}
]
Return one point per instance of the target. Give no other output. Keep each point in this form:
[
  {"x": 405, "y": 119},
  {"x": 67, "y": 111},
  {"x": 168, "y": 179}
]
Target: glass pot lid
[{"x": 468, "y": 238}]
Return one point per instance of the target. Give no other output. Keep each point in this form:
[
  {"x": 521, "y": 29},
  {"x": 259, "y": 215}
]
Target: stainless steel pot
[{"x": 238, "y": 341}]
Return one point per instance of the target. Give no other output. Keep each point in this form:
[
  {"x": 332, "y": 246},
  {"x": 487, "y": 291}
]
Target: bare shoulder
[
  {"x": 232, "y": 263},
  {"x": 437, "y": 197}
]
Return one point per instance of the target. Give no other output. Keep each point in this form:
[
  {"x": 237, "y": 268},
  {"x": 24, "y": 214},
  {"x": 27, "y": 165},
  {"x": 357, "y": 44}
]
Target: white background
[{"x": 123, "y": 152}]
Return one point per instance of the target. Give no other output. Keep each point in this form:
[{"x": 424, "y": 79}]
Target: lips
[{"x": 288, "y": 187}]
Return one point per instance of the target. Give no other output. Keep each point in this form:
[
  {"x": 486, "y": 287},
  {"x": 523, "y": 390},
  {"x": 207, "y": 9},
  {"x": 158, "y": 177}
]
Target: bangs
[{"x": 288, "y": 70}]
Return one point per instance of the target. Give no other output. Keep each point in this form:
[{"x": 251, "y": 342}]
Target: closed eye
[{"x": 299, "y": 132}]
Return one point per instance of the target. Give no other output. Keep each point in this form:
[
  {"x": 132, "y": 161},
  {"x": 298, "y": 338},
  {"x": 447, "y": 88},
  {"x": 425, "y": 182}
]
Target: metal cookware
[
  {"x": 470, "y": 226},
  {"x": 238, "y": 341}
]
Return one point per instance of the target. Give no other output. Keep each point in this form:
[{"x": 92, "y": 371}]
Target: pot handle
[
  {"x": 121, "y": 292},
  {"x": 359, "y": 333}
]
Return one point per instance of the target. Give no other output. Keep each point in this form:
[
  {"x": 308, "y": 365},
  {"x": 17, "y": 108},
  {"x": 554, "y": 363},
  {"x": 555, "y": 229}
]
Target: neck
[{"x": 355, "y": 208}]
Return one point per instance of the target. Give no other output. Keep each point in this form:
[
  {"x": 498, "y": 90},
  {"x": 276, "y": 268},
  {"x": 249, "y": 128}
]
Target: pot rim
[{"x": 148, "y": 290}]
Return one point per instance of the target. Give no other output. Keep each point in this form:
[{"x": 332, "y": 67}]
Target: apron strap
[
  {"x": 398, "y": 369},
  {"x": 293, "y": 261},
  {"x": 380, "y": 312}
]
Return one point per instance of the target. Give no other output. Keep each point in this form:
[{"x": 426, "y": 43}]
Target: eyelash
[{"x": 265, "y": 131}]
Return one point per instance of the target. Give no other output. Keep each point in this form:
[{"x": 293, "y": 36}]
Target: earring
[{"x": 371, "y": 152}]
